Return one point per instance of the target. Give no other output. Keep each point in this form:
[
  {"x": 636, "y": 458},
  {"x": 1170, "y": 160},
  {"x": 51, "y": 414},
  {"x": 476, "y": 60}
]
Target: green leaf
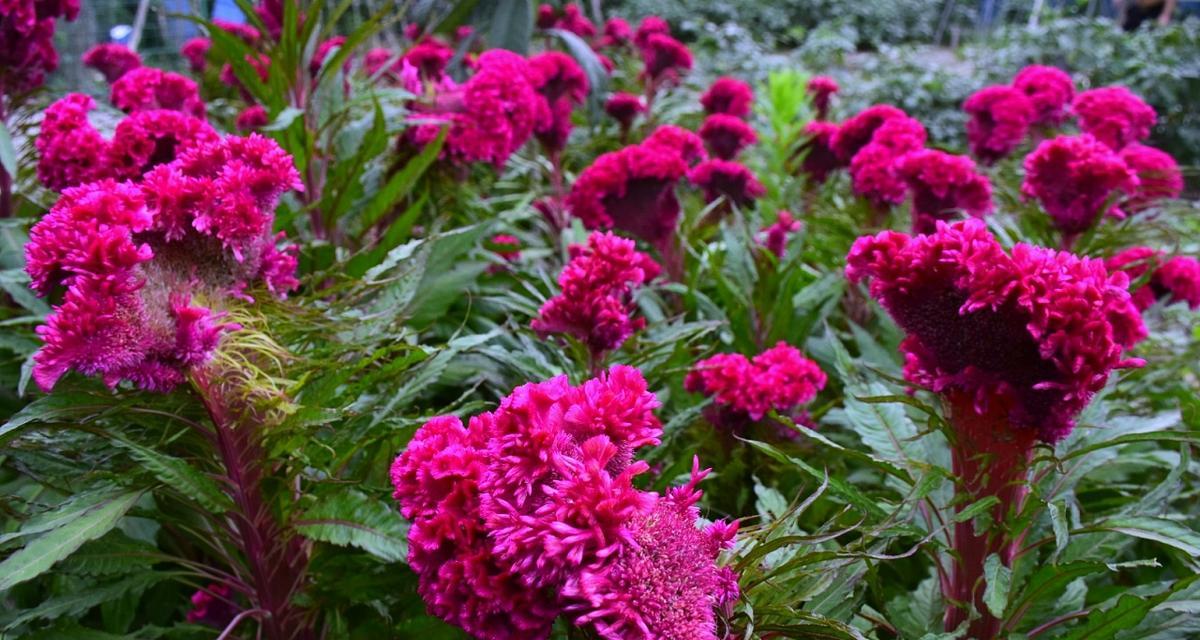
[
  {"x": 1127, "y": 613},
  {"x": 284, "y": 119},
  {"x": 976, "y": 508},
  {"x": 180, "y": 476},
  {"x": 400, "y": 184},
  {"x": 47, "y": 549},
  {"x": 1154, "y": 436},
  {"x": 79, "y": 602},
  {"x": 51, "y": 409},
  {"x": 8, "y": 153},
  {"x": 351, "y": 518},
  {"x": 844, "y": 489},
  {"x": 511, "y": 25},
  {"x": 998, "y": 578},
  {"x": 1168, "y": 532}
]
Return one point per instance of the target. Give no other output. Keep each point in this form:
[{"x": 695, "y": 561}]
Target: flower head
[
  {"x": 726, "y": 135},
  {"x": 562, "y": 84},
  {"x": 573, "y": 20},
  {"x": 819, "y": 159},
  {"x": 780, "y": 379},
  {"x": 624, "y": 107},
  {"x": 253, "y": 118},
  {"x": 666, "y": 59},
  {"x": 213, "y": 606},
  {"x": 1076, "y": 179},
  {"x": 1114, "y": 115},
  {"x": 71, "y": 151},
  {"x": 650, "y": 25},
  {"x": 112, "y": 60},
  {"x": 1049, "y": 89},
  {"x": 239, "y": 30},
  {"x": 632, "y": 189},
  {"x": 874, "y": 168},
  {"x": 775, "y": 236},
  {"x": 195, "y": 51},
  {"x": 942, "y": 183},
  {"x": 1175, "y": 280},
  {"x": 856, "y": 132},
  {"x": 147, "y": 88},
  {"x": 687, "y": 145},
  {"x": 728, "y": 96},
  {"x": 821, "y": 90},
  {"x": 728, "y": 179},
  {"x": 27, "y": 41},
  {"x": 1000, "y": 119},
  {"x": 147, "y": 139},
  {"x": 430, "y": 57},
  {"x": 1157, "y": 173},
  {"x": 1036, "y": 332},
  {"x": 617, "y": 33}
]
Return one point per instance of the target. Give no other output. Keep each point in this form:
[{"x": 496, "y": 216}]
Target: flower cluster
[
  {"x": 1049, "y": 89},
  {"x": 726, "y": 135},
  {"x": 1114, "y": 115},
  {"x": 195, "y": 51},
  {"x": 726, "y": 179},
  {"x": 1000, "y": 119},
  {"x": 856, "y": 131},
  {"x": 27, "y": 41},
  {"x": 666, "y": 59},
  {"x": 1175, "y": 280},
  {"x": 617, "y": 33},
  {"x": 146, "y": 88},
  {"x": 562, "y": 84},
  {"x": 1035, "y": 333},
  {"x": 942, "y": 183},
  {"x": 429, "y": 57},
  {"x": 133, "y": 257},
  {"x": 728, "y": 96},
  {"x": 775, "y": 235},
  {"x": 595, "y": 305},
  {"x": 818, "y": 157},
  {"x": 530, "y": 512},
  {"x": 624, "y": 107},
  {"x": 1157, "y": 174},
  {"x": 873, "y": 169},
  {"x": 112, "y": 60},
  {"x": 821, "y": 90},
  {"x": 779, "y": 379},
  {"x": 1076, "y": 179}
]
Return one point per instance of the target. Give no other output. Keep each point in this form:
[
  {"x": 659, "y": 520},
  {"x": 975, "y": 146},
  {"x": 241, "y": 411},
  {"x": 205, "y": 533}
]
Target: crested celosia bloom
[
  {"x": 632, "y": 189},
  {"x": 649, "y": 26},
  {"x": 1158, "y": 176},
  {"x": 147, "y": 139},
  {"x": 430, "y": 57},
  {"x": 776, "y": 235},
  {"x": 778, "y": 379},
  {"x": 240, "y": 30},
  {"x": 376, "y": 59},
  {"x": 147, "y": 88},
  {"x": 252, "y": 118},
  {"x": 1049, "y": 89},
  {"x": 531, "y": 512},
  {"x": 686, "y": 144},
  {"x": 821, "y": 90},
  {"x": 624, "y": 107},
  {"x": 666, "y": 59},
  {"x": 942, "y": 184},
  {"x": 726, "y": 135},
  {"x": 819, "y": 158},
  {"x": 728, "y": 96},
  {"x": 617, "y": 33},
  {"x": 873, "y": 169},
  {"x": 573, "y": 20},
  {"x": 1000, "y": 119},
  {"x": 1036, "y": 332},
  {"x": 195, "y": 51},
  {"x": 727, "y": 179},
  {"x": 27, "y": 41},
  {"x": 1175, "y": 280},
  {"x": 1116, "y": 116},
  {"x": 112, "y": 60},
  {"x": 146, "y": 266},
  {"x": 857, "y": 131},
  {"x": 1076, "y": 179},
  {"x": 595, "y": 305},
  {"x": 506, "y": 246},
  {"x": 213, "y": 606},
  {"x": 323, "y": 50},
  {"x": 547, "y": 15},
  {"x": 562, "y": 84}
]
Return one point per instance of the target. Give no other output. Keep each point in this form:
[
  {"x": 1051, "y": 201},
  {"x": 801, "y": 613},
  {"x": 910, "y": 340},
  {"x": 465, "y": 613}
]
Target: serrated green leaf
[
  {"x": 998, "y": 578},
  {"x": 75, "y": 604},
  {"x": 1127, "y": 613},
  {"x": 351, "y": 518},
  {"x": 180, "y": 476},
  {"x": 1168, "y": 532}
]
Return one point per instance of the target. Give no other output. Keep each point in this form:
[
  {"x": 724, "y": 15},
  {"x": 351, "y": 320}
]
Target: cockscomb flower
[
  {"x": 624, "y": 107},
  {"x": 649, "y": 26},
  {"x": 1049, "y": 89},
  {"x": 821, "y": 90},
  {"x": 728, "y": 96},
  {"x": 726, "y": 135},
  {"x": 1000, "y": 120},
  {"x": 942, "y": 184},
  {"x": 779, "y": 379},
  {"x": 195, "y": 51},
  {"x": 239, "y": 30},
  {"x": 547, "y": 16},
  {"x": 595, "y": 305},
  {"x": 147, "y": 139},
  {"x": 147, "y": 88},
  {"x": 776, "y": 235},
  {"x": 70, "y": 150},
  {"x": 323, "y": 50},
  {"x": 506, "y": 246},
  {"x": 562, "y": 84},
  {"x": 252, "y": 118},
  {"x": 873, "y": 170},
  {"x": 1158, "y": 176},
  {"x": 819, "y": 159},
  {"x": 632, "y": 189},
  {"x": 573, "y": 20},
  {"x": 213, "y": 606},
  {"x": 687, "y": 145},
  {"x": 1114, "y": 115},
  {"x": 1076, "y": 179},
  {"x": 666, "y": 59},
  {"x": 430, "y": 57},
  {"x": 856, "y": 132},
  {"x": 27, "y": 41},
  {"x": 1033, "y": 334},
  {"x": 147, "y": 266},
  {"x": 112, "y": 60},
  {"x": 376, "y": 59},
  {"x": 1173, "y": 280},
  {"x": 617, "y": 33},
  {"x": 260, "y": 63},
  {"x": 727, "y": 179}
]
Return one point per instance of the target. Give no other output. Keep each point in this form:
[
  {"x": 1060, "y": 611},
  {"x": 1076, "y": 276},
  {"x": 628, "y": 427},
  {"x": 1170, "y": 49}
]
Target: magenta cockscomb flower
[
  {"x": 147, "y": 139},
  {"x": 1158, "y": 176},
  {"x": 322, "y": 52},
  {"x": 239, "y": 30},
  {"x": 376, "y": 59},
  {"x": 779, "y": 379},
  {"x": 27, "y": 41},
  {"x": 561, "y": 82},
  {"x": 506, "y": 246},
  {"x": 132, "y": 258},
  {"x": 666, "y": 59},
  {"x": 595, "y": 305},
  {"x": 214, "y": 606},
  {"x": 147, "y": 88},
  {"x": 687, "y": 145},
  {"x": 1056, "y": 323},
  {"x": 729, "y": 96},
  {"x": 252, "y": 118},
  {"x": 112, "y": 60},
  {"x": 572, "y": 19},
  {"x": 1000, "y": 120},
  {"x": 617, "y": 33},
  {"x": 1173, "y": 280},
  {"x": 819, "y": 159},
  {"x": 942, "y": 184},
  {"x": 821, "y": 90},
  {"x": 650, "y": 25},
  {"x": 776, "y": 235},
  {"x": 1077, "y": 179},
  {"x": 726, "y": 135},
  {"x": 624, "y": 107},
  {"x": 1116, "y": 116},
  {"x": 531, "y": 513},
  {"x": 430, "y": 57},
  {"x": 856, "y": 132},
  {"x": 1049, "y": 89},
  {"x": 873, "y": 170},
  {"x": 727, "y": 179},
  {"x": 195, "y": 51}
]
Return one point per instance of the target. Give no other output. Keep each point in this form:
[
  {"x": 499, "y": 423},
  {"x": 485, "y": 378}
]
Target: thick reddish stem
[{"x": 991, "y": 458}]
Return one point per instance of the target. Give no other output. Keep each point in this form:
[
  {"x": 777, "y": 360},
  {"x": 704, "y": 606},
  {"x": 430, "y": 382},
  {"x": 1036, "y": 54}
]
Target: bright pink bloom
[
  {"x": 1076, "y": 179},
  {"x": 573, "y": 20},
  {"x": 1035, "y": 333},
  {"x": 819, "y": 159},
  {"x": 776, "y": 235},
  {"x": 195, "y": 51},
  {"x": 728, "y": 179},
  {"x": 1050, "y": 90},
  {"x": 595, "y": 305},
  {"x": 375, "y": 60},
  {"x": 857, "y": 131},
  {"x": 1176, "y": 280},
  {"x": 147, "y": 139},
  {"x": 617, "y": 33},
  {"x": 252, "y": 118},
  {"x": 650, "y": 25},
  {"x": 213, "y": 606},
  {"x": 547, "y": 16},
  {"x": 942, "y": 184},
  {"x": 821, "y": 89},
  {"x": 624, "y": 107},
  {"x": 562, "y": 84},
  {"x": 726, "y": 135},
  {"x": 240, "y": 30},
  {"x": 666, "y": 59},
  {"x": 148, "y": 88},
  {"x": 632, "y": 189},
  {"x": 779, "y": 379},
  {"x": 1158, "y": 176},
  {"x": 271, "y": 13},
  {"x": 112, "y": 60},
  {"x": 506, "y": 246},
  {"x": 430, "y": 56},
  {"x": 323, "y": 50},
  {"x": 71, "y": 151},
  {"x": 27, "y": 41},
  {"x": 1180, "y": 276},
  {"x": 1000, "y": 119},
  {"x": 729, "y": 96},
  {"x": 687, "y": 145},
  {"x": 1114, "y": 115},
  {"x": 874, "y": 168}
]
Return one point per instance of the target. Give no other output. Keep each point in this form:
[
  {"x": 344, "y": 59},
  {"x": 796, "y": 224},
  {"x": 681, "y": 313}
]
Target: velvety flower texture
[
  {"x": 941, "y": 184},
  {"x": 726, "y": 135},
  {"x": 670, "y": 137},
  {"x": 666, "y": 59},
  {"x": 617, "y": 33},
  {"x": 873, "y": 170},
  {"x": 819, "y": 158},
  {"x": 562, "y": 84},
  {"x": 573, "y": 20},
  {"x": 1175, "y": 280},
  {"x": 195, "y": 51},
  {"x": 1000, "y": 119},
  {"x": 857, "y": 131},
  {"x": 1049, "y": 89},
  {"x": 530, "y": 512},
  {"x": 252, "y": 118},
  {"x": 112, "y": 60},
  {"x": 27, "y": 41},
  {"x": 133, "y": 257},
  {"x": 821, "y": 90},
  {"x": 147, "y": 88},
  {"x": 728, "y": 179},
  {"x": 595, "y": 305},
  {"x": 1075, "y": 178},
  {"x": 1035, "y": 333},
  {"x": 779, "y": 379},
  {"x": 1114, "y": 115},
  {"x": 624, "y": 107},
  {"x": 1158, "y": 176},
  {"x": 650, "y": 25},
  {"x": 776, "y": 235},
  {"x": 729, "y": 96}
]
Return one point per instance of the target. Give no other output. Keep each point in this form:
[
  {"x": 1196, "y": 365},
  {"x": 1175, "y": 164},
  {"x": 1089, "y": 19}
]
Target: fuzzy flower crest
[
  {"x": 728, "y": 179},
  {"x": 821, "y": 90},
  {"x": 112, "y": 60},
  {"x": 1158, "y": 175},
  {"x": 1049, "y": 89},
  {"x": 726, "y": 135},
  {"x": 146, "y": 88},
  {"x": 1175, "y": 280},
  {"x": 942, "y": 183},
  {"x": 1076, "y": 179},
  {"x": 1116, "y": 116},
  {"x": 728, "y": 96},
  {"x": 780, "y": 379},
  {"x": 1000, "y": 119}
]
